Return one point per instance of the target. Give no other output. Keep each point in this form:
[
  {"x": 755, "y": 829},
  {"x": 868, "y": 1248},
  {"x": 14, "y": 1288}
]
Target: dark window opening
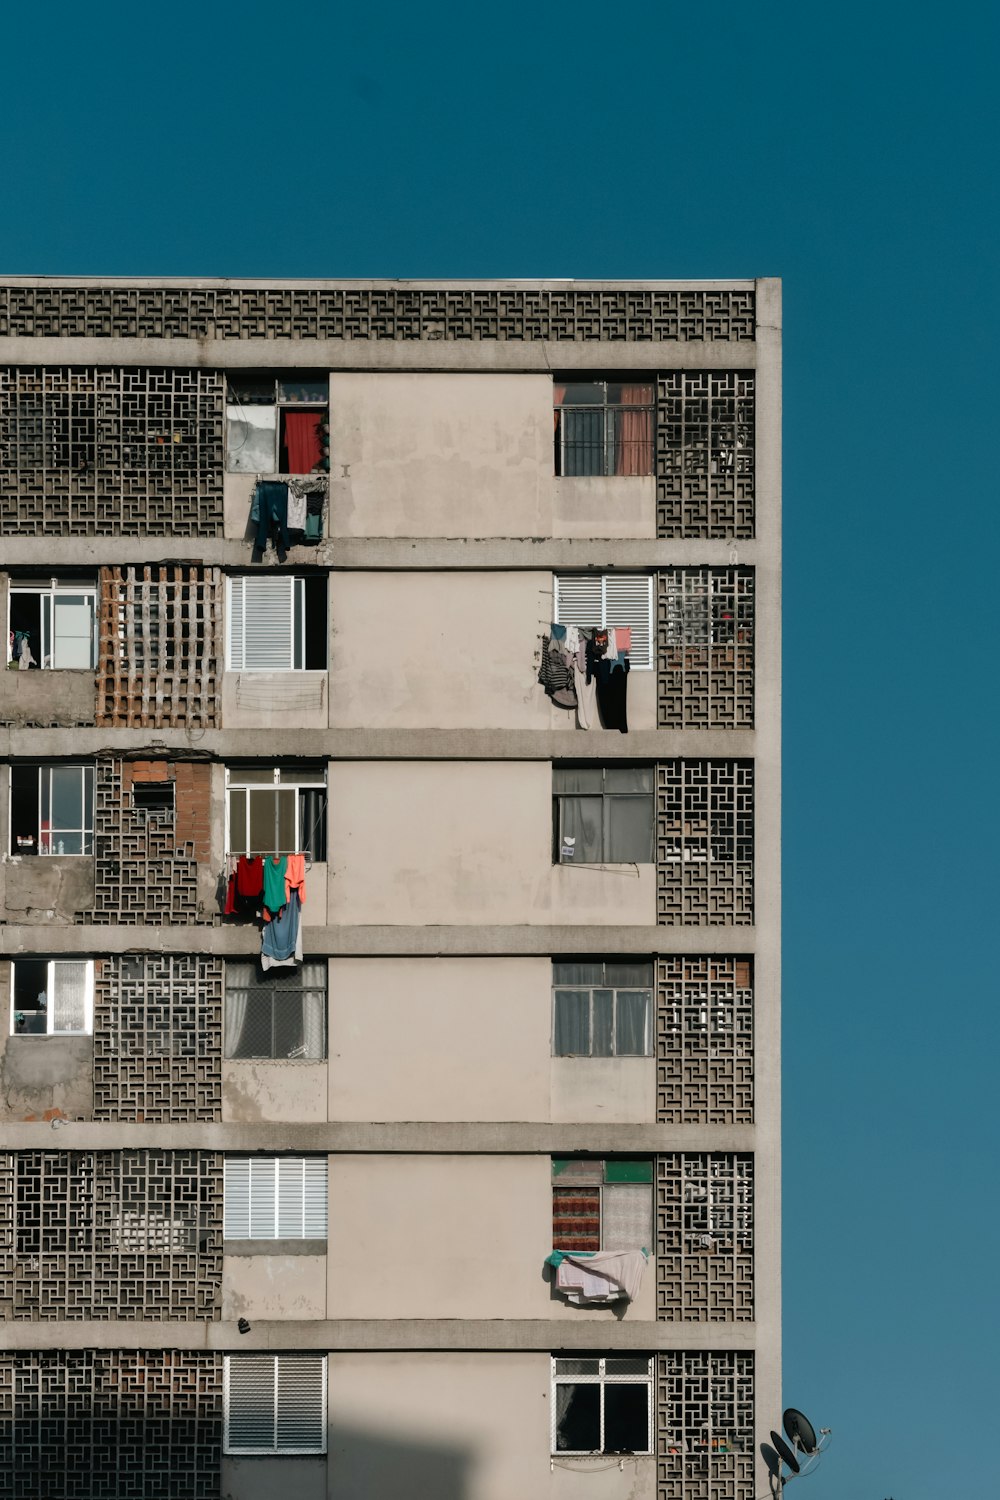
[
  {"x": 154, "y": 798},
  {"x": 603, "y": 427}
]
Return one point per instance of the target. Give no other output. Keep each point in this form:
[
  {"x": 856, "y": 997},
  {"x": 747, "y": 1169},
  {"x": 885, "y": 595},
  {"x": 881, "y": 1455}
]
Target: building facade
[{"x": 300, "y": 569}]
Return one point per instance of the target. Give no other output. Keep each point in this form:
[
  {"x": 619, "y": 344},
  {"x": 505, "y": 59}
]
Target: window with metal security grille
[
  {"x": 602, "y": 1404},
  {"x": 276, "y": 810},
  {"x": 275, "y": 1197},
  {"x": 278, "y": 424},
  {"x": 52, "y": 997},
  {"x": 602, "y": 1009},
  {"x": 603, "y": 814},
  {"x": 280, "y": 1014},
  {"x": 603, "y": 427},
  {"x": 56, "y": 618},
  {"x": 51, "y": 809},
  {"x": 274, "y": 1403},
  {"x": 608, "y": 600},
  {"x": 276, "y": 623},
  {"x": 602, "y": 1204}
]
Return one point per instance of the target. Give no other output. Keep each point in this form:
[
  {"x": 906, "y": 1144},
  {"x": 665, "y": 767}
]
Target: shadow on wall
[{"x": 369, "y": 1464}]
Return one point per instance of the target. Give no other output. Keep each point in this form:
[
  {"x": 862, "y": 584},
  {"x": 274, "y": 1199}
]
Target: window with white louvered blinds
[
  {"x": 607, "y": 599},
  {"x": 275, "y": 1403},
  {"x": 275, "y": 1197},
  {"x": 266, "y": 623}
]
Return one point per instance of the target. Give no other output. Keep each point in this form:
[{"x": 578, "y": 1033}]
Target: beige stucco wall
[
  {"x": 613, "y": 1090},
  {"x": 263, "y": 1478},
  {"x": 464, "y": 842},
  {"x": 265, "y": 1090},
  {"x": 409, "y": 1037},
  {"x": 458, "y": 1426},
  {"x": 273, "y": 1286},
  {"x": 604, "y": 506},
  {"x": 440, "y": 455},
  {"x": 449, "y": 650},
  {"x": 458, "y": 1237},
  {"x": 273, "y": 700}
]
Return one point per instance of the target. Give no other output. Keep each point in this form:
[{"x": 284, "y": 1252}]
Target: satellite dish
[
  {"x": 784, "y": 1452},
  {"x": 801, "y": 1432}
]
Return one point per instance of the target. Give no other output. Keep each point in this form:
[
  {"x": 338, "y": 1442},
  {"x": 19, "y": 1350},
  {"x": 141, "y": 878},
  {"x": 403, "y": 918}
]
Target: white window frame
[
  {"x": 236, "y": 412},
  {"x": 569, "y": 611},
  {"x": 290, "y": 1192},
  {"x": 602, "y": 1379},
  {"x": 52, "y": 834},
  {"x": 277, "y": 784},
  {"x": 280, "y": 1363},
  {"x": 53, "y": 964},
  {"x": 48, "y": 591},
  {"x": 238, "y": 611}
]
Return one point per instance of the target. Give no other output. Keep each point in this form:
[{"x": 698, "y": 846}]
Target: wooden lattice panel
[
  {"x": 160, "y": 635},
  {"x": 110, "y": 1424},
  {"x": 704, "y": 843},
  {"x": 620, "y": 314},
  {"x": 704, "y": 1040},
  {"x": 158, "y": 1038},
  {"x": 704, "y": 1426},
  {"x": 704, "y": 1237},
  {"x": 705, "y": 454},
  {"x": 111, "y": 1234},
  {"x": 110, "y": 451},
  {"x": 705, "y": 648}
]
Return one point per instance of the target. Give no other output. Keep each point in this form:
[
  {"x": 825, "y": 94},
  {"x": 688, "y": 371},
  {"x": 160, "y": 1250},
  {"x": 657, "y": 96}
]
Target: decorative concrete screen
[
  {"x": 158, "y": 1038},
  {"x": 457, "y": 313},
  {"x": 145, "y": 873},
  {"x": 705, "y": 454},
  {"x": 704, "y": 1040},
  {"x": 704, "y": 843},
  {"x": 111, "y": 1234},
  {"x": 705, "y": 648},
  {"x": 110, "y": 1424},
  {"x": 160, "y": 636},
  {"x": 109, "y": 451},
  {"x": 705, "y": 1426},
  {"x": 704, "y": 1238}
]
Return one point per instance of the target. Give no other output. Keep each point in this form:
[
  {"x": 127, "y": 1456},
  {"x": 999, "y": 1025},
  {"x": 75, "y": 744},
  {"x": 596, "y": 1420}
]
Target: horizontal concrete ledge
[
  {"x": 379, "y": 942},
  {"x": 381, "y": 744},
  {"x": 389, "y": 283},
  {"x": 418, "y": 355},
  {"x": 363, "y": 1137},
  {"x": 364, "y": 554},
  {"x": 334, "y": 1335}
]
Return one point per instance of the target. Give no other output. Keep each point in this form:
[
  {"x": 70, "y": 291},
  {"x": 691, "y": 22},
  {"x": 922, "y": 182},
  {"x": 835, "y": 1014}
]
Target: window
[
  {"x": 603, "y": 427},
  {"x": 603, "y": 814},
  {"x": 51, "y": 809},
  {"x": 155, "y": 799},
  {"x": 275, "y": 1197},
  {"x": 603, "y": 600},
  {"x": 602, "y": 1009},
  {"x": 602, "y": 1205},
  {"x": 275, "y": 1403},
  {"x": 602, "y": 1405},
  {"x": 278, "y": 425},
  {"x": 277, "y": 623},
  {"x": 52, "y": 997},
  {"x": 277, "y": 810},
  {"x": 280, "y": 1014},
  {"x": 56, "y": 618}
]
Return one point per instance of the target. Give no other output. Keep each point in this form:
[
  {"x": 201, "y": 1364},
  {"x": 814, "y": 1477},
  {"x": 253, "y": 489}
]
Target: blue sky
[{"x": 850, "y": 150}]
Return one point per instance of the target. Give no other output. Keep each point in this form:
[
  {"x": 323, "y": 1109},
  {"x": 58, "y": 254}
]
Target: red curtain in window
[
  {"x": 302, "y": 440},
  {"x": 635, "y": 431}
]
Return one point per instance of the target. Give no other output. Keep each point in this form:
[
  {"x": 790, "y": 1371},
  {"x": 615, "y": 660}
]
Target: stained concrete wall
[
  {"x": 42, "y": 1076},
  {"x": 264, "y": 1478},
  {"x": 464, "y": 842},
  {"x": 604, "y": 506},
  {"x": 458, "y": 1426},
  {"x": 47, "y": 888},
  {"x": 449, "y": 650},
  {"x": 273, "y": 1286},
  {"x": 440, "y": 455},
  {"x": 47, "y": 697},
  {"x": 279, "y": 1091},
  {"x": 458, "y": 1237},
  {"x": 273, "y": 700}
]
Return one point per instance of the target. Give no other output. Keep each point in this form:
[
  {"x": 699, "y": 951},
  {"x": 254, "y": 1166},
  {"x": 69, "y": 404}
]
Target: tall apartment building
[{"x": 289, "y": 1230}]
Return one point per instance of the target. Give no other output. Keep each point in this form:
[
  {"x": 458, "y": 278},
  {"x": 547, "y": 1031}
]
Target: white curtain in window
[
  {"x": 632, "y": 1023},
  {"x": 627, "y": 1216}
]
